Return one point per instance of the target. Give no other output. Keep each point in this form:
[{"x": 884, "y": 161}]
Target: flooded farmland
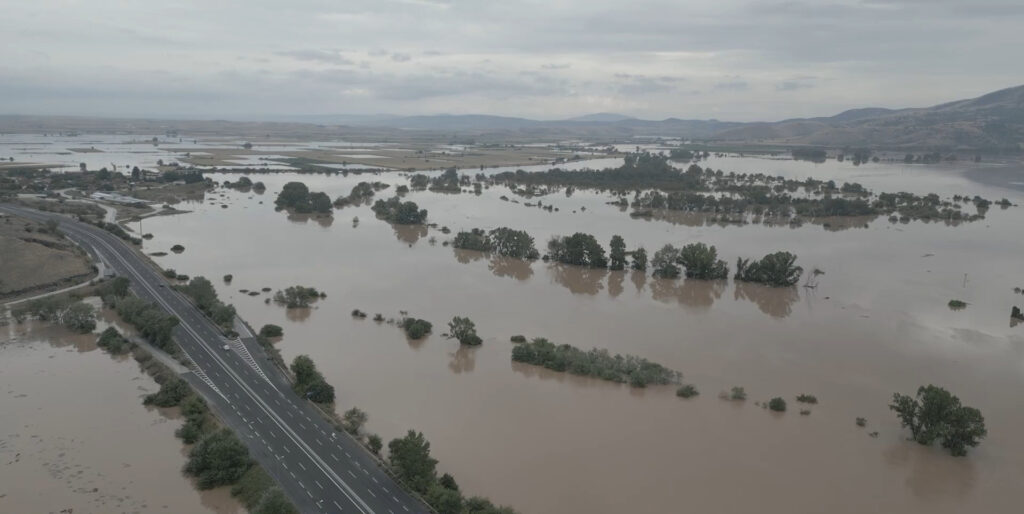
[
  {"x": 877, "y": 322},
  {"x": 74, "y": 434}
]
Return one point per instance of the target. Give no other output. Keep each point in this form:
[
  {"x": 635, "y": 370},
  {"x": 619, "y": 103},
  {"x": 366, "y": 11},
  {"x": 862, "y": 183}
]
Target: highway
[{"x": 319, "y": 468}]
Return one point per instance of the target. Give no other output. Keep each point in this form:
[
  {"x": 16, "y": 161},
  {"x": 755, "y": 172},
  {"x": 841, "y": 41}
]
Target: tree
[
  {"x": 936, "y": 414},
  {"x": 218, "y": 459},
  {"x": 410, "y": 458},
  {"x": 292, "y": 194},
  {"x": 447, "y": 481},
  {"x": 80, "y": 317},
  {"x": 444, "y": 500},
  {"x": 617, "y": 255},
  {"x": 640, "y": 259},
  {"x": 375, "y": 444},
  {"x": 701, "y": 261},
  {"x": 664, "y": 262},
  {"x": 777, "y": 404},
  {"x": 513, "y": 243},
  {"x": 353, "y": 420},
  {"x": 579, "y": 249},
  {"x": 416, "y": 328},
  {"x": 464, "y": 330}
]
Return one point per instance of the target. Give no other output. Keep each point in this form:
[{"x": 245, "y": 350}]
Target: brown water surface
[
  {"x": 75, "y": 435},
  {"x": 876, "y": 323}
]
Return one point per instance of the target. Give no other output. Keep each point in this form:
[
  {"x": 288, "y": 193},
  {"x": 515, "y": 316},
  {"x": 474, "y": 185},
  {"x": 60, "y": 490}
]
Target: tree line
[
  {"x": 297, "y": 197},
  {"x": 636, "y": 371}
]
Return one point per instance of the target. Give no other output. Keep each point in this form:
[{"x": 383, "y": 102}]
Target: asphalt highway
[{"x": 319, "y": 468}]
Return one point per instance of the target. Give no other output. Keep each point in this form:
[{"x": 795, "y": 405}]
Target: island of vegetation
[
  {"x": 296, "y": 297},
  {"x": 295, "y": 196},
  {"x": 394, "y": 210},
  {"x": 636, "y": 371},
  {"x": 502, "y": 241}
]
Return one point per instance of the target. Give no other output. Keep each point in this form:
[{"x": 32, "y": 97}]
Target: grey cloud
[
  {"x": 734, "y": 85},
  {"x": 401, "y": 57},
  {"x": 324, "y": 56},
  {"x": 792, "y": 85}
]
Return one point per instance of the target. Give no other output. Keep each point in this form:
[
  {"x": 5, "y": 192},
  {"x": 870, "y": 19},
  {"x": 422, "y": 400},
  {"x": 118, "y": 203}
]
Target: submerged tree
[
  {"x": 775, "y": 269},
  {"x": 464, "y": 330},
  {"x": 936, "y": 414},
  {"x": 640, "y": 259},
  {"x": 701, "y": 261},
  {"x": 617, "y": 255},
  {"x": 665, "y": 262}
]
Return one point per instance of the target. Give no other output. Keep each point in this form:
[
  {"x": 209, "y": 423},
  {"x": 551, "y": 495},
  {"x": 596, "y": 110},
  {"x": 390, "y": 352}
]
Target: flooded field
[
  {"x": 876, "y": 323},
  {"x": 75, "y": 435}
]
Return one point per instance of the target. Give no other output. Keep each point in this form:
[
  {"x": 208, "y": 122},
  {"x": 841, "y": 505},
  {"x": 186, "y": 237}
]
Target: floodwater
[
  {"x": 75, "y": 435},
  {"x": 877, "y": 322}
]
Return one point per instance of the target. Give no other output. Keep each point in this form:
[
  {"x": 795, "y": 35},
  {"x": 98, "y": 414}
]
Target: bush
[
  {"x": 171, "y": 393},
  {"x": 738, "y": 394},
  {"x": 228, "y": 278},
  {"x": 375, "y": 444},
  {"x": 398, "y": 212},
  {"x": 518, "y": 339},
  {"x": 170, "y": 273},
  {"x": 177, "y": 248},
  {"x": 805, "y": 412},
  {"x": 111, "y": 341},
  {"x": 416, "y": 328},
  {"x": 353, "y": 420},
  {"x": 296, "y": 297},
  {"x": 356, "y": 313},
  {"x": 687, "y": 391},
  {"x": 777, "y": 404},
  {"x": 957, "y": 305},
  {"x": 270, "y": 330},
  {"x": 807, "y": 398},
  {"x": 218, "y": 459},
  {"x": 861, "y": 422}
]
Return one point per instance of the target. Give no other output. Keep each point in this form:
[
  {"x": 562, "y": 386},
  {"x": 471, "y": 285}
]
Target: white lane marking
[
  {"x": 310, "y": 494},
  {"x": 403, "y": 506},
  {"x": 335, "y": 457},
  {"x": 376, "y": 482},
  {"x": 301, "y": 466},
  {"x": 199, "y": 340},
  {"x": 301, "y": 484},
  {"x": 371, "y": 492},
  {"x": 318, "y": 441},
  {"x": 351, "y": 473},
  {"x": 339, "y": 506},
  {"x": 318, "y": 483}
]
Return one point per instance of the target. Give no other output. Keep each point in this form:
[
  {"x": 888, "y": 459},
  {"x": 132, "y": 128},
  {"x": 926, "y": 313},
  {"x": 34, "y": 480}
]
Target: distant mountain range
[{"x": 991, "y": 122}]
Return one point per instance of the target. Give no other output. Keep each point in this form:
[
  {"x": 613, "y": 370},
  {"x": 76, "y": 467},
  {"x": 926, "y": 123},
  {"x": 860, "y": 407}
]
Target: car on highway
[{"x": 226, "y": 347}]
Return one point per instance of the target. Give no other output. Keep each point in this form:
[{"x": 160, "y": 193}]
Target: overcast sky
[{"x": 546, "y": 59}]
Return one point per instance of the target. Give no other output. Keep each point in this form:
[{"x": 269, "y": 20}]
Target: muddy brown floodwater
[
  {"x": 75, "y": 435},
  {"x": 876, "y": 323}
]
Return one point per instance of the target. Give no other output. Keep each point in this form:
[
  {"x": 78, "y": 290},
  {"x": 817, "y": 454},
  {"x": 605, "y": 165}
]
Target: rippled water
[
  {"x": 75, "y": 435},
  {"x": 876, "y": 323}
]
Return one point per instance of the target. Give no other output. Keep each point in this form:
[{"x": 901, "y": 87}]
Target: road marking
[
  {"x": 351, "y": 473},
  {"x": 301, "y": 425},
  {"x": 371, "y": 492},
  {"x": 318, "y": 483},
  {"x": 310, "y": 494},
  {"x": 292, "y": 474},
  {"x": 335, "y": 457},
  {"x": 301, "y": 466},
  {"x": 143, "y": 284},
  {"x": 318, "y": 441},
  {"x": 339, "y": 506},
  {"x": 403, "y": 506},
  {"x": 301, "y": 484},
  {"x": 376, "y": 482}
]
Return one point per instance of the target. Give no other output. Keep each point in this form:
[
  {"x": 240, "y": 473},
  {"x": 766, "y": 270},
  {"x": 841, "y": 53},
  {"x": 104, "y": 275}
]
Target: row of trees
[
  {"x": 153, "y": 323},
  {"x": 394, "y": 210},
  {"x": 697, "y": 260},
  {"x": 205, "y": 297},
  {"x": 503, "y": 241},
  {"x": 309, "y": 382},
  {"x": 361, "y": 192},
  {"x": 636, "y": 371},
  {"x": 297, "y": 197}
]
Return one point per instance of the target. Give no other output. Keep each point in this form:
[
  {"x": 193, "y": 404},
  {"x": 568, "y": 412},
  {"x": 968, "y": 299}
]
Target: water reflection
[
  {"x": 639, "y": 279},
  {"x": 323, "y": 221},
  {"x": 578, "y": 279},
  {"x": 518, "y": 269},
  {"x": 467, "y": 256},
  {"x": 776, "y": 302},
  {"x": 299, "y": 314},
  {"x": 463, "y": 359},
  {"x": 409, "y": 233},
  {"x": 615, "y": 280},
  {"x": 932, "y": 474},
  {"x": 691, "y": 293}
]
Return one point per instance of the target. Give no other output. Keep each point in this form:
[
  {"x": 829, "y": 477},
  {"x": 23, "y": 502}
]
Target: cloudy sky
[{"x": 545, "y": 59}]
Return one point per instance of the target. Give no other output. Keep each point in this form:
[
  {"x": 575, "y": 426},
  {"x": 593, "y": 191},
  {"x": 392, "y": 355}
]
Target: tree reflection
[
  {"x": 463, "y": 360},
  {"x": 579, "y": 279},
  {"x": 615, "y": 280},
  {"x": 518, "y": 269},
  {"x": 776, "y": 302},
  {"x": 409, "y": 233},
  {"x": 467, "y": 256},
  {"x": 692, "y": 293}
]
